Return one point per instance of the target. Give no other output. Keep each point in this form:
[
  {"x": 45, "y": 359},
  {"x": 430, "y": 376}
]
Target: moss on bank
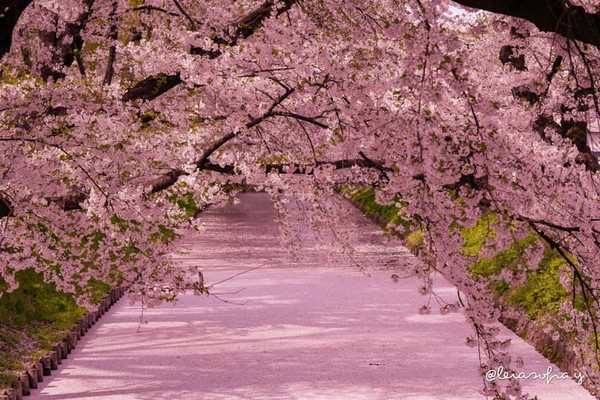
[
  {"x": 364, "y": 199},
  {"x": 540, "y": 295},
  {"x": 33, "y": 318},
  {"x": 538, "y": 299}
]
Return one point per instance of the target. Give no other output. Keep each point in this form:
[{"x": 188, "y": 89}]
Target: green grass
[
  {"x": 364, "y": 198},
  {"x": 33, "y": 318},
  {"x": 540, "y": 295}
]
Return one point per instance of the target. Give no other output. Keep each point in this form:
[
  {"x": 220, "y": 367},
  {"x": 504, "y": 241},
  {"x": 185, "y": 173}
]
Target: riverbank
[
  {"x": 33, "y": 319},
  {"x": 278, "y": 328},
  {"x": 536, "y": 302}
]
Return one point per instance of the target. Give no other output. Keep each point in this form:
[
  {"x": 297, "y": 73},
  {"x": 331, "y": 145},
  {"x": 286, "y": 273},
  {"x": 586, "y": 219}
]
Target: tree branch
[
  {"x": 186, "y": 15},
  {"x": 552, "y": 225},
  {"x": 241, "y": 29},
  {"x": 312, "y": 120},
  {"x": 152, "y": 87},
  {"x": 166, "y": 180},
  {"x": 308, "y": 169},
  {"x": 10, "y": 12},
  {"x": 255, "y": 121},
  {"x": 69, "y": 202},
  {"x": 154, "y": 8},
  {"x": 112, "y": 51},
  {"x": 6, "y": 209},
  {"x": 170, "y": 178},
  {"x": 302, "y": 169},
  {"x": 557, "y": 16}
]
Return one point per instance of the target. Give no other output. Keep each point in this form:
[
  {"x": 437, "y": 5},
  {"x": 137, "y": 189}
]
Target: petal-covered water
[
  {"x": 275, "y": 328},
  {"x": 246, "y": 235}
]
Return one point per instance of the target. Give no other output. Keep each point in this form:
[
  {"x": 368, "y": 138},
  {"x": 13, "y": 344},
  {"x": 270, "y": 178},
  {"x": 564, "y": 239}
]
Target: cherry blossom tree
[{"x": 121, "y": 120}]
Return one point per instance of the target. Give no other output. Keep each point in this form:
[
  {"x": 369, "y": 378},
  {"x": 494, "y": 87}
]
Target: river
[{"x": 275, "y": 327}]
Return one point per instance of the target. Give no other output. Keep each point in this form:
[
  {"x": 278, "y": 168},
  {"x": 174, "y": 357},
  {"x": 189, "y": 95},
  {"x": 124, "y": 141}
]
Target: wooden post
[
  {"x": 58, "y": 349},
  {"x": 24, "y": 378},
  {"x": 64, "y": 349},
  {"x": 18, "y": 386},
  {"x": 68, "y": 344},
  {"x": 54, "y": 359},
  {"x": 46, "y": 364},
  {"x": 33, "y": 377},
  {"x": 72, "y": 339},
  {"x": 40, "y": 371},
  {"x": 77, "y": 330}
]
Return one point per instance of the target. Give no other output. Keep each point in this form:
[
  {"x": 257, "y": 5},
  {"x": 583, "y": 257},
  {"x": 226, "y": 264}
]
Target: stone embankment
[
  {"x": 559, "y": 351},
  {"x": 28, "y": 380}
]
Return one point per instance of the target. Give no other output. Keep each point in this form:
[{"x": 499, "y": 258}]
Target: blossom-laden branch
[
  {"x": 65, "y": 46},
  {"x": 588, "y": 293},
  {"x": 112, "y": 51},
  {"x": 171, "y": 177},
  {"x": 153, "y": 86},
  {"x": 10, "y": 12},
  {"x": 562, "y": 17},
  {"x": 186, "y": 15},
  {"x": 245, "y": 26},
  {"x": 304, "y": 168}
]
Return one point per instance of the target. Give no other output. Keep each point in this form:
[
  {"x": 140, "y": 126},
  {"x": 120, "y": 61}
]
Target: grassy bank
[
  {"x": 33, "y": 318},
  {"x": 540, "y": 295}
]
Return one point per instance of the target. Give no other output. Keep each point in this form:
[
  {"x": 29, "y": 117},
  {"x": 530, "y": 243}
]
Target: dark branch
[
  {"x": 186, "y": 15},
  {"x": 555, "y": 68},
  {"x": 69, "y": 202},
  {"x": 112, "y": 51},
  {"x": 153, "y": 8},
  {"x": 548, "y": 15},
  {"x": 241, "y": 29},
  {"x": 552, "y": 225},
  {"x": 302, "y": 169},
  {"x": 166, "y": 180},
  {"x": 170, "y": 178},
  {"x": 469, "y": 180},
  {"x": 6, "y": 209},
  {"x": 152, "y": 87},
  {"x": 311, "y": 120},
  {"x": 246, "y": 26},
  {"x": 8, "y": 20},
  {"x": 225, "y": 169},
  {"x": 308, "y": 169},
  {"x": 255, "y": 121}
]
